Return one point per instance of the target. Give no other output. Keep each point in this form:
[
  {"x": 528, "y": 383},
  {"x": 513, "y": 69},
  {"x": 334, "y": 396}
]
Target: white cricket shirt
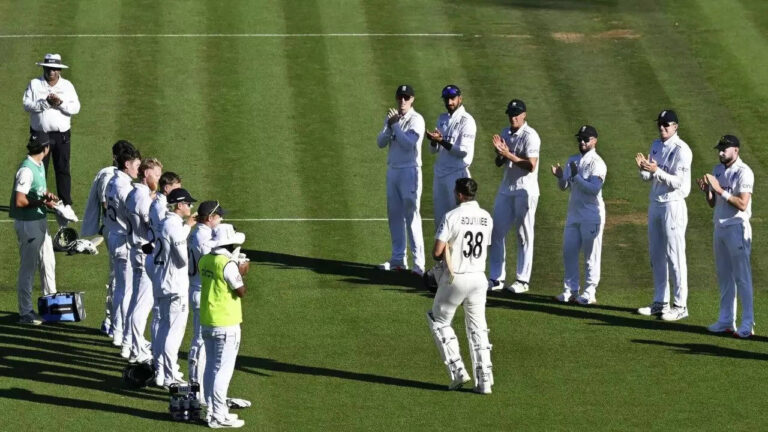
[
  {"x": 94, "y": 208},
  {"x": 467, "y": 231},
  {"x": 459, "y": 129},
  {"x": 525, "y": 142},
  {"x": 118, "y": 188},
  {"x": 404, "y": 140},
  {"x": 585, "y": 205},
  {"x": 672, "y": 181},
  {"x": 170, "y": 257},
  {"x": 43, "y": 116},
  {"x": 201, "y": 242},
  {"x": 137, "y": 204},
  {"x": 735, "y": 179}
]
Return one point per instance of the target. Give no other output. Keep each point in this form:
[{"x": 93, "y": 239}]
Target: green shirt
[
  {"x": 36, "y": 192},
  {"x": 219, "y": 304}
]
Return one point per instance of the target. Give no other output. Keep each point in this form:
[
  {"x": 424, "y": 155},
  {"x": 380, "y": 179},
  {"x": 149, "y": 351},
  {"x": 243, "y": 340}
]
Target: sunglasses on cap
[
  {"x": 450, "y": 93},
  {"x": 404, "y": 97}
]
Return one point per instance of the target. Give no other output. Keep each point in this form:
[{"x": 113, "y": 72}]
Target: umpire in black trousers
[{"x": 51, "y": 101}]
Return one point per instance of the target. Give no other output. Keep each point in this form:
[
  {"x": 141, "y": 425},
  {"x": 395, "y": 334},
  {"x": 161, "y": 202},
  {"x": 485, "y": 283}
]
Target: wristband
[{"x": 726, "y": 195}]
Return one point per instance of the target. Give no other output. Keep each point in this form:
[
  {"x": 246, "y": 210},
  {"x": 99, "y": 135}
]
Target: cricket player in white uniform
[
  {"x": 454, "y": 142},
  {"x": 116, "y": 223},
  {"x": 462, "y": 243},
  {"x": 171, "y": 284},
  {"x": 402, "y": 133},
  {"x": 584, "y": 174},
  {"x": 168, "y": 181},
  {"x": 668, "y": 168},
  {"x": 517, "y": 150},
  {"x": 29, "y": 200},
  {"x": 93, "y": 221},
  {"x": 138, "y": 204},
  {"x": 729, "y": 190}
]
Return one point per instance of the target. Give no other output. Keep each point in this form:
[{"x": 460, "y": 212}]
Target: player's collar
[
  {"x": 671, "y": 139},
  {"x": 39, "y": 164},
  {"x": 520, "y": 130},
  {"x": 472, "y": 203},
  {"x": 460, "y": 110}
]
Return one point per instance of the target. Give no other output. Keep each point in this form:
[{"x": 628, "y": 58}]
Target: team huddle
[{"x": 461, "y": 248}]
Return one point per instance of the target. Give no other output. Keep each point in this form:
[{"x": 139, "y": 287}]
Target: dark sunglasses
[
  {"x": 665, "y": 124},
  {"x": 404, "y": 97},
  {"x": 582, "y": 139}
]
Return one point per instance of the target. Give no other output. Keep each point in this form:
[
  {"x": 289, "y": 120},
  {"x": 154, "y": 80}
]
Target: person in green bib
[
  {"x": 29, "y": 200},
  {"x": 221, "y": 275}
]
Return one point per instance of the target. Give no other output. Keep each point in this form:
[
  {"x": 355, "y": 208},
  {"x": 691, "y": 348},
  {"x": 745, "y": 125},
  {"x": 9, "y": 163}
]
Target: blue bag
[{"x": 67, "y": 306}]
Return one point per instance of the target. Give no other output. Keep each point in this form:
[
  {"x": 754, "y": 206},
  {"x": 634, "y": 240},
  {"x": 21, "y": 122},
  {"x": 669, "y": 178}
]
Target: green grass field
[{"x": 277, "y": 125}]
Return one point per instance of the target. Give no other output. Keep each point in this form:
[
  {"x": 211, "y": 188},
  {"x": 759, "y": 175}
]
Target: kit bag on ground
[{"x": 66, "y": 306}]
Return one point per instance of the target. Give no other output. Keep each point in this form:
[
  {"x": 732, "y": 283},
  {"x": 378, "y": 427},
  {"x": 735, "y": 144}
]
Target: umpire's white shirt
[
  {"x": 672, "y": 181},
  {"x": 467, "y": 231},
  {"x": 404, "y": 140},
  {"x": 524, "y": 142},
  {"x": 138, "y": 204},
  {"x": 585, "y": 204},
  {"x": 116, "y": 219},
  {"x": 735, "y": 179},
  {"x": 43, "y": 116},
  {"x": 459, "y": 129},
  {"x": 171, "y": 277}
]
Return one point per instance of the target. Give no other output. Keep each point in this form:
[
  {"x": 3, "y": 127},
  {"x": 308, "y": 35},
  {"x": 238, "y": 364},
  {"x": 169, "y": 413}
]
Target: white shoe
[
  {"x": 459, "y": 381},
  {"x": 227, "y": 423},
  {"x": 386, "y": 266},
  {"x": 66, "y": 212},
  {"x": 586, "y": 299},
  {"x": 209, "y": 416},
  {"x": 675, "y": 314},
  {"x": 31, "y": 318},
  {"x": 654, "y": 309},
  {"x": 418, "y": 271},
  {"x": 719, "y": 327},
  {"x": 518, "y": 287},
  {"x": 125, "y": 352},
  {"x": 495, "y": 285},
  {"x": 744, "y": 333},
  {"x": 566, "y": 297}
]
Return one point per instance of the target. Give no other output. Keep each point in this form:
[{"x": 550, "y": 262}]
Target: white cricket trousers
[
  {"x": 36, "y": 254},
  {"x": 174, "y": 310},
  {"x": 141, "y": 304},
  {"x": 516, "y": 212},
  {"x": 221, "y": 346},
  {"x": 443, "y": 195},
  {"x": 403, "y": 202},
  {"x": 196, "y": 358},
  {"x": 667, "y": 222},
  {"x": 119, "y": 253},
  {"x": 468, "y": 289},
  {"x": 586, "y": 238},
  {"x": 733, "y": 248},
  {"x": 110, "y": 286}
]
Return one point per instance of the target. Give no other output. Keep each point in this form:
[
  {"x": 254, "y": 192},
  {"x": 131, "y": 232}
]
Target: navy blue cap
[
  {"x": 587, "y": 131},
  {"x": 727, "y": 141},
  {"x": 515, "y": 107},
  {"x": 180, "y": 195},
  {"x": 667, "y": 116},
  {"x": 451, "y": 91},
  {"x": 404, "y": 89}
]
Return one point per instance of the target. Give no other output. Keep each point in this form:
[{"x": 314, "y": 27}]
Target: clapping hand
[
  {"x": 435, "y": 136},
  {"x": 392, "y": 116},
  {"x": 557, "y": 170}
]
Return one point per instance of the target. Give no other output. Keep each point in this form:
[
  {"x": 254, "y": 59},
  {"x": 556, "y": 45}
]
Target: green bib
[
  {"x": 219, "y": 305},
  {"x": 36, "y": 191}
]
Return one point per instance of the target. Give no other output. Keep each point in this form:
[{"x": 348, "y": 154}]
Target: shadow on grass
[
  {"x": 54, "y": 355},
  {"x": 706, "y": 349},
  {"x": 626, "y": 318},
  {"x": 351, "y": 272},
  {"x": 29, "y": 396},
  {"x": 251, "y": 364}
]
